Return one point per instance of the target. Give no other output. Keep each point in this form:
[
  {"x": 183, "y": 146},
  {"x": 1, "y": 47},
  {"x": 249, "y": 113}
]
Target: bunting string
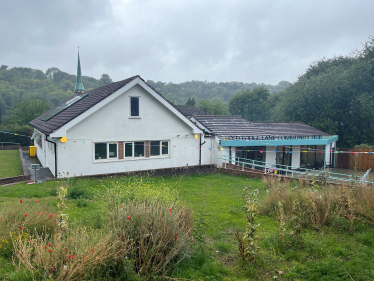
[{"x": 300, "y": 149}]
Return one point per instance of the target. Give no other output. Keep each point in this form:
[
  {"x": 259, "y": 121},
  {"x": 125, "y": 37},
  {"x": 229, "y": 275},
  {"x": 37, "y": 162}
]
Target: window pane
[
  {"x": 112, "y": 150},
  {"x": 165, "y": 147},
  {"x": 134, "y": 106},
  {"x": 139, "y": 149},
  {"x": 155, "y": 148},
  {"x": 100, "y": 151},
  {"x": 128, "y": 149}
]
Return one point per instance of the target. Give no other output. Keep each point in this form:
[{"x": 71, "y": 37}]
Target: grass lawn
[
  {"x": 329, "y": 254},
  {"x": 10, "y": 163}
]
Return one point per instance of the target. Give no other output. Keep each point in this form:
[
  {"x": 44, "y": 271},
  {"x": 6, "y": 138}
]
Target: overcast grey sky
[{"x": 181, "y": 40}]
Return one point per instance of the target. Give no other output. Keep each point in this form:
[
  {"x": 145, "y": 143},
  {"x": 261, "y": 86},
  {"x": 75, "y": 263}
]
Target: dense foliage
[
  {"x": 335, "y": 95},
  {"x": 203, "y": 90}
]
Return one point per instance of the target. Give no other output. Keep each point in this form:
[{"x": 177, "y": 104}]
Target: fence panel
[{"x": 343, "y": 159}]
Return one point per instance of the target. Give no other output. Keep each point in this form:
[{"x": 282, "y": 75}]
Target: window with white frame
[
  {"x": 159, "y": 148},
  {"x": 106, "y": 150},
  {"x": 134, "y": 149}
]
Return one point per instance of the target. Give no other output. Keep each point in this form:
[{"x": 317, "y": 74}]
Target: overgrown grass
[
  {"x": 329, "y": 252},
  {"x": 10, "y": 163}
]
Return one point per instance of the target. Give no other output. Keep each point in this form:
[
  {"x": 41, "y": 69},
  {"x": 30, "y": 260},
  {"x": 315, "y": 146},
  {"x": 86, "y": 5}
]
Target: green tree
[
  {"x": 105, "y": 80},
  {"x": 251, "y": 104},
  {"x": 191, "y": 101},
  {"x": 27, "y": 110},
  {"x": 215, "y": 106}
]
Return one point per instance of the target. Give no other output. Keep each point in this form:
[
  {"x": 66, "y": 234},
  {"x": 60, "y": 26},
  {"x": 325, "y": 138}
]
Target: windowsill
[
  {"x": 134, "y": 117},
  {"x": 130, "y": 159}
]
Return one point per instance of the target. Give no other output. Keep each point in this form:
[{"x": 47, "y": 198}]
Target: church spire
[{"x": 79, "y": 88}]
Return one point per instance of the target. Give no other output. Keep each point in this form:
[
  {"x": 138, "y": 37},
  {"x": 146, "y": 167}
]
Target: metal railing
[
  {"x": 302, "y": 172},
  {"x": 9, "y": 143}
]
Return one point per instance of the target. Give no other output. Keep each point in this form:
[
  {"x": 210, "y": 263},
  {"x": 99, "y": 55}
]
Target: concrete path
[{"x": 42, "y": 174}]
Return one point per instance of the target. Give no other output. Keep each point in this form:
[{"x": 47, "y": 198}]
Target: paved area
[{"x": 42, "y": 174}]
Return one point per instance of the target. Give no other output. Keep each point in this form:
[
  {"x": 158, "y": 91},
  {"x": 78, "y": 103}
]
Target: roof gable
[{"x": 95, "y": 99}]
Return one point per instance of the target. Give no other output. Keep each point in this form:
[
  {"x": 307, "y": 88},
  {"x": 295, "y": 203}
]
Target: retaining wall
[{"x": 176, "y": 171}]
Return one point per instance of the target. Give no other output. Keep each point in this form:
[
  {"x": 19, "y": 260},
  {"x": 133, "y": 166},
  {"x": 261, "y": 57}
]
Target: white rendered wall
[
  {"x": 46, "y": 153},
  {"x": 271, "y": 155},
  {"x": 295, "y": 162},
  {"x": 40, "y": 152},
  {"x": 111, "y": 123},
  {"x": 327, "y": 153},
  {"x": 206, "y": 153},
  {"x": 50, "y": 157}
]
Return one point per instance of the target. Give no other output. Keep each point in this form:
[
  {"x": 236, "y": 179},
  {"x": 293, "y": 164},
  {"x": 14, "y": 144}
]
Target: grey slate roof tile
[
  {"x": 225, "y": 126},
  {"x": 189, "y": 110}
]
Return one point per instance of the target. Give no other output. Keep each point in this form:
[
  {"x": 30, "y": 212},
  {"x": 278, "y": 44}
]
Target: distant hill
[
  {"x": 208, "y": 90},
  {"x": 21, "y": 83}
]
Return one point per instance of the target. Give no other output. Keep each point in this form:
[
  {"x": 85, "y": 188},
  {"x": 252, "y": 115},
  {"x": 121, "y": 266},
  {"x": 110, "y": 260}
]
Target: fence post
[{"x": 243, "y": 167}]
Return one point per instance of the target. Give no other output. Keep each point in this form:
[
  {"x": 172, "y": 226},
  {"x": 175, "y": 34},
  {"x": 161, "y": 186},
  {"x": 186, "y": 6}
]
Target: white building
[
  {"x": 124, "y": 126},
  {"x": 128, "y": 126}
]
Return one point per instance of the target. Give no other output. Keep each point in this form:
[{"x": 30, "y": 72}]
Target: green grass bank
[{"x": 329, "y": 253}]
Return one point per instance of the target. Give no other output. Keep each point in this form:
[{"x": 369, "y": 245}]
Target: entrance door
[{"x": 284, "y": 157}]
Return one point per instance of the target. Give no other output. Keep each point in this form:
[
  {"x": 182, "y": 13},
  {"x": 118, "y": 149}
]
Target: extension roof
[
  {"x": 226, "y": 126},
  {"x": 189, "y": 110}
]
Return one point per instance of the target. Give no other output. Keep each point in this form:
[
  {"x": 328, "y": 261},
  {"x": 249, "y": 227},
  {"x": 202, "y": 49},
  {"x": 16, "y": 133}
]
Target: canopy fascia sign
[{"x": 278, "y": 142}]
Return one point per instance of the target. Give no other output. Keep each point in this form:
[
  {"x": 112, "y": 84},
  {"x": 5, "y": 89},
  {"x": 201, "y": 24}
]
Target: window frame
[
  {"x": 131, "y": 116},
  {"x": 160, "y": 149},
  {"x": 107, "y": 151},
  {"x": 133, "y": 150}
]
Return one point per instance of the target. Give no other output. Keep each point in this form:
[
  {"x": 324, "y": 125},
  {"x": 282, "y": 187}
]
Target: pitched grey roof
[
  {"x": 189, "y": 110},
  {"x": 94, "y": 96},
  {"x": 225, "y": 126},
  {"x": 288, "y": 129}
]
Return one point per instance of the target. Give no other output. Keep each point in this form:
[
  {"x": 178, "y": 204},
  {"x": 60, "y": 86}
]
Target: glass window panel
[
  {"x": 112, "y": 150},
  {"x": 165, "y": 147},
  {"x": 311, "y": 155},
  {"x": 303, "y": 156},
  {"x": 100, "y": 151},
  {"x": 128, "y": 149},
  {"x": 155, "y": 148},
  {"x": 134, "y": 106},
  {"x": 320, "y": 157},
  {"x": 139, "y": 149}
]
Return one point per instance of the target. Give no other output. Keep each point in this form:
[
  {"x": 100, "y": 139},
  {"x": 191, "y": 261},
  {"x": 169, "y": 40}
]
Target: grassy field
[
  {"x": 10, "y": 163},
  {"x": 326, "y": 254}
]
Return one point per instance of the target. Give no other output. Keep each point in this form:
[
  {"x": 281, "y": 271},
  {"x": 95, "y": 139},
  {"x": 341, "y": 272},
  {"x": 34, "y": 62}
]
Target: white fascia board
[
  {"x": 196, "y": 130},
  {"x": 61, "y": 132}
]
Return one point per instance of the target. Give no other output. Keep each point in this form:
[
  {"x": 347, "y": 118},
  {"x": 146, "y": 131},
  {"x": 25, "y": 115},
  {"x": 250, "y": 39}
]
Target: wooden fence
[{"x": 348, "y": 160}]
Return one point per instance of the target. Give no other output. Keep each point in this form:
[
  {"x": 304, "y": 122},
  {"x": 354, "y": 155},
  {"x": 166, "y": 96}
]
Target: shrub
[
  {"x": 53, "y": 191},
  {"x": 140, "y": 238},
  {"x": 81, "y": 203},
  {"x": 160, "y": 237},
  {"x": 73, "y": 258},
  {"x": 78, "y": 193},
  {"x": 136, "y": 189},
  {"x": 319, "y": 206},
  {"x": 29, "y": 217}
]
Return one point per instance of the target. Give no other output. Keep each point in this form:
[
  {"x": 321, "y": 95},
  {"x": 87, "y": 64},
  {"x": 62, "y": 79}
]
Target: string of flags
[
  {"x": 301, "y": 149},
  {"x": 20, "y": 135}
]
